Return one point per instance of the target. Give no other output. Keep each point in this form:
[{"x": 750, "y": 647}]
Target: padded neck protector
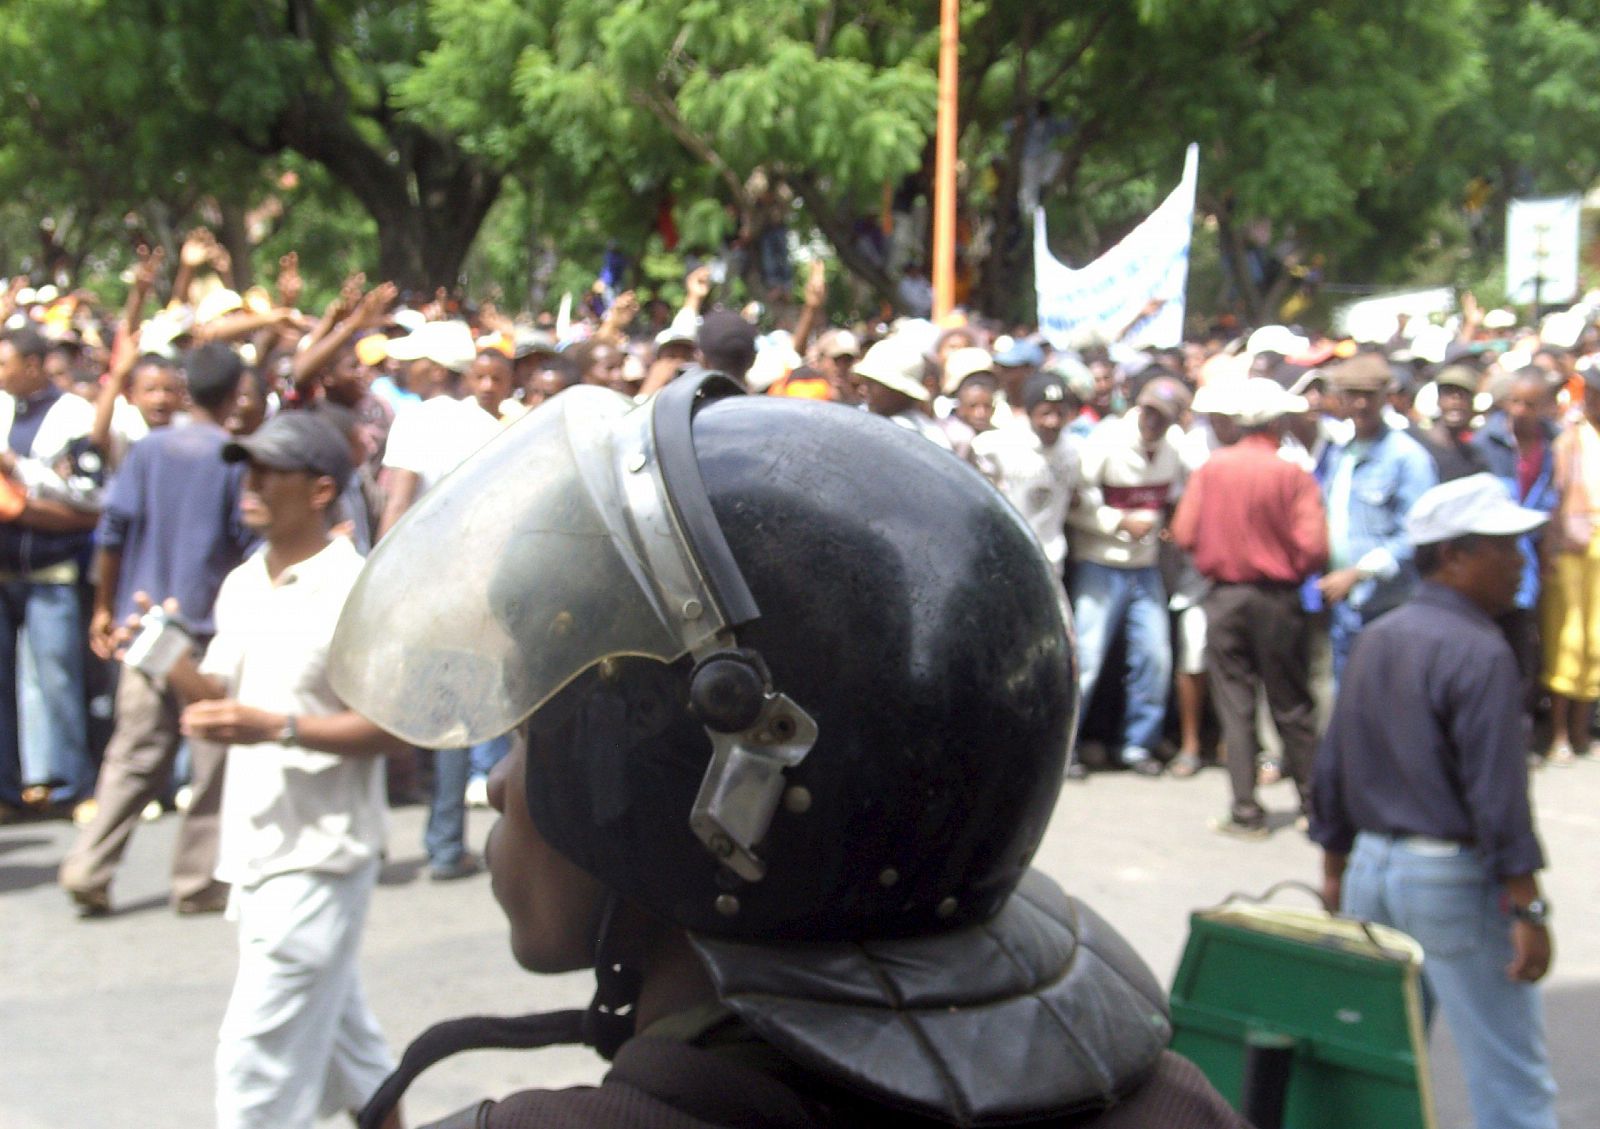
[{"x": 1042, "y": 1010}]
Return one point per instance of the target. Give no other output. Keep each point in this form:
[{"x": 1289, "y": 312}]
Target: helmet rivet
[
  {"x": 727, "y": 905},
  {"x": 692, "y": 609},
  {"x": 888, "y": 877},
  {"x": 721, "y": 845},
  {"x": 797, "y": 800},
  {"x": 637, "y": 462},
  {"x": 947, "y": 908}
]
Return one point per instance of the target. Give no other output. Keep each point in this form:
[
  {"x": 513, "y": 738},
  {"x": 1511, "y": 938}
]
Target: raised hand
[{"x": 290, "y": 284}]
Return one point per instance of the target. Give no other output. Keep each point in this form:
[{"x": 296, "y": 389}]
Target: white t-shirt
[
  {"x": 1038, "y": 480},
  {"x": 127, "y": 428},
  {"x": 286, "y": 808},
  {"x": 432, "y": 438}
]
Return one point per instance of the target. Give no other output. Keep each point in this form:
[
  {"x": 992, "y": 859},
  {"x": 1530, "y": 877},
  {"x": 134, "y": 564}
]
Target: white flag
[{"x": 1104, "y": 299}]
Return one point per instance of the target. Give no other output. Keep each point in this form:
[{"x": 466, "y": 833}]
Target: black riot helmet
[{"x": 791, "y": 672}]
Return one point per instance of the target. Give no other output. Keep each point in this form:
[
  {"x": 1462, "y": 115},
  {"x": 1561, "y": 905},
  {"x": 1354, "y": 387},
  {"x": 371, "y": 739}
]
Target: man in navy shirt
[
  {"x": 46, "y": 514},
  {"x": 1421, "y": 796},
  {"x": 171, "y": 529}
]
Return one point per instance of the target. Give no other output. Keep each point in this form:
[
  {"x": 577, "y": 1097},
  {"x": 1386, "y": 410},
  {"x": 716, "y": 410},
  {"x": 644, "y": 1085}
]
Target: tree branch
[{"x": 666, "y": 112}]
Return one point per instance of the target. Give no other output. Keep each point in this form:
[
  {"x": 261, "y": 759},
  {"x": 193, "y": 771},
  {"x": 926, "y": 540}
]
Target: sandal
[
  {"x": 1270, "y": 772},
  {"x": 1184, "y": 765}
]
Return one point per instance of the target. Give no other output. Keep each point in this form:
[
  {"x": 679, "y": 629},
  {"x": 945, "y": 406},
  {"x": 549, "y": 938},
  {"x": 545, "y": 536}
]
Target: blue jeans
[
  {"x": 486, "y": 755},
  {"x": 1104, "y": 600},
  {"x": 52, "y": 683},
  {"x": 1445, "y": 897},
  {"x": 446, "y": 834}
]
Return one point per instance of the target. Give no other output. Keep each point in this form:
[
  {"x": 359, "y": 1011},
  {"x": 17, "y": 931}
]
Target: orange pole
[{"x": 944, "y": 165}]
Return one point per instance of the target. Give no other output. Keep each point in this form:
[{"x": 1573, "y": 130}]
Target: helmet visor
[{"x": 550, "y": 549}]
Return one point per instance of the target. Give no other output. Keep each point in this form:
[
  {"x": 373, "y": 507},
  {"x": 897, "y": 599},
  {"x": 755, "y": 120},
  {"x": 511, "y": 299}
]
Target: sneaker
[
  {"x": 90, "y": 903},
  {"x": 196, "y": 904},
  {"x": 464, "y": 867},
  {"x": 1562, "y": 756},
  {"x": 1146, "y": 766},
  {"x": 478, "y": 792},
  {"x": 1251, "y": 829}
]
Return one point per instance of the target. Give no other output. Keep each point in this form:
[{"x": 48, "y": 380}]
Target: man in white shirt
[
  {"x": 303, "y": 813},
  {"x": 1036, "y": 467},
  {"x": 427, "y": 442},
  {"x": 892, "y": 380}
]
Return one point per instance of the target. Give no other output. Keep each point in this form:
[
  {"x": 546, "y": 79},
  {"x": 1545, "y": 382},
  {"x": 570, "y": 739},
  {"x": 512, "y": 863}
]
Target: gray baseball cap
[{"x": 296, "y": 440}]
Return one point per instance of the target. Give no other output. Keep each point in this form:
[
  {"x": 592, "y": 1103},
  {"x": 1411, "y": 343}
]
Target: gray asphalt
[{"x": 112, "y": 1022}]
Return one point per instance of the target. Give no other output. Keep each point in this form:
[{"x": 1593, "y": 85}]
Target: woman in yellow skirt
[{"x": 1570, "y": 607}]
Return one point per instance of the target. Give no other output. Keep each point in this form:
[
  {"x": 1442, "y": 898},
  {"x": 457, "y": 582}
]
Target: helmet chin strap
[
  {"x": 605, "y": 1025},
  {"x": 609, "y": 1020}
]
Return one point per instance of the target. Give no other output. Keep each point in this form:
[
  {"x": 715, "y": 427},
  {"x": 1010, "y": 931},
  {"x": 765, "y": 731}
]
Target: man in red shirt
[{"x": 1256, "y": 527}]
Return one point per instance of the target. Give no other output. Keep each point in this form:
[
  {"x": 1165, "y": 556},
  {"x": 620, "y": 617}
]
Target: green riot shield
[{"x": 1314, "y": 1018}]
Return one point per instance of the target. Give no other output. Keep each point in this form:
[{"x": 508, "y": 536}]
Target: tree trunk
[
  {"x": 428, "y": 204},
  {"x": 1246, "y": 294},
  {"x": 234, "y": 234}
]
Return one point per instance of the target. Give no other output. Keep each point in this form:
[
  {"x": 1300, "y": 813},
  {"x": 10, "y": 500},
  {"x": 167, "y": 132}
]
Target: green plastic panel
[{"x": 1352, "y": 1008}]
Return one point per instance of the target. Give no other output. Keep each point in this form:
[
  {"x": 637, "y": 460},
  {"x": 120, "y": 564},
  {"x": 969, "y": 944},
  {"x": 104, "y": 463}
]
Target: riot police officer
[{"x": 797, "y": 695}]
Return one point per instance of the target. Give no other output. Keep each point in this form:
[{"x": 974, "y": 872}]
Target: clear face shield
[{"x": 557, "y": 545}]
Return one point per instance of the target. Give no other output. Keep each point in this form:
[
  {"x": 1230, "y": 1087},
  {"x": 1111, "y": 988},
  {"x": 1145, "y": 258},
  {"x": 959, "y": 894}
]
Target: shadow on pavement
[
  {"x": 25, "y": 877},
  {"x": 400, "y": 872}
]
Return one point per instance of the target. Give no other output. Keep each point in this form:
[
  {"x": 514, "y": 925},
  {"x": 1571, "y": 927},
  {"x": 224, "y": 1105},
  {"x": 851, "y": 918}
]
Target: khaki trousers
[{"x": 138, "y": 761}]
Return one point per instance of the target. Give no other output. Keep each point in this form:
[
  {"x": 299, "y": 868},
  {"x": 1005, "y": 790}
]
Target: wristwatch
[
  {"x": 290, "y": 733},
  {"x": 1536, "y": 912}
]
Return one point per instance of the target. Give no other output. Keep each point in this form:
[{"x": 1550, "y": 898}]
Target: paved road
[{"x": 112, "y": 1022}]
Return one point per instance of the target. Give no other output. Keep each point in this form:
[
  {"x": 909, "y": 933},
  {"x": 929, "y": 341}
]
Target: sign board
[{"x": 1542, "y": 251}]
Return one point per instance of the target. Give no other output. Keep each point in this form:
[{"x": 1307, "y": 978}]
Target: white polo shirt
[
  {"x": 432, "y": 438},
  {"x": 285, "y": 808}
]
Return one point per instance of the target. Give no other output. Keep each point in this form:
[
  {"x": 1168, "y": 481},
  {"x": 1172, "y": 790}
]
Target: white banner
[
  {"x": 1105, "y": 300},
  {"x": 1542, "y": 251}
]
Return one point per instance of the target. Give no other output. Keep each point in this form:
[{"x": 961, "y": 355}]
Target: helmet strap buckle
[{"x": 757, "y": 734}]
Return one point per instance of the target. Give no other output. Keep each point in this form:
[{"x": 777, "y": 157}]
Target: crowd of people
[
  {"x": 1211, "y": 511},
  {"x": 1094, "y": 446}
]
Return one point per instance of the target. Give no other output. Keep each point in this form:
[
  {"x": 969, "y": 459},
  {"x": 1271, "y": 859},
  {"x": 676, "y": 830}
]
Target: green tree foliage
[{"x": 1336, "y": 133}]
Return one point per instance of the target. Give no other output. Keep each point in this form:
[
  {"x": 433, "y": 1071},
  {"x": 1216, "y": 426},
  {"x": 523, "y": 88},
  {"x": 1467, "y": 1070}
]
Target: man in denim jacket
[{"x": 1370, "y": 484}]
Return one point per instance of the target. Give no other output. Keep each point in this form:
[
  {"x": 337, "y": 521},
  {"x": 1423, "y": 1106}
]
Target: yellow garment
[{"x": 1569, "y": 618}]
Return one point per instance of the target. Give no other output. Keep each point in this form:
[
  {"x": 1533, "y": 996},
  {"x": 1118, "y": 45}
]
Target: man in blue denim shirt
[
  {"x": 1370, "y": 485},
  {"x": 1422, "y": 789}
]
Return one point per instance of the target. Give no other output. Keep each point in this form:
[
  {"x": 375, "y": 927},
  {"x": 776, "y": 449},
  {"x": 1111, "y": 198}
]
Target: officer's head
[{"x": 785, "y": 671}]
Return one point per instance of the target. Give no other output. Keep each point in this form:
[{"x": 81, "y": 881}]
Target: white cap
[
  {"x": 963, "y": 363},
  {"x": 897, "y": 364},
  {"x": 838, "y": 343},
  {"x": 1217, "y": 398},
  {"x": 1499, "y": 319},
  {"x": 675, "y": 334},
  {"x": 448, "y": 343},
  {"x": 1560, "y": 330},
  {"x": 216, "y": 304},
  {"x": 1262, "y": 400},
  {"x": 1479, "y": 503},
  {"x": 1431, "y": 343},
  {"x": 1278, "y": 339},
  {"x": 408, "y": 319}
]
